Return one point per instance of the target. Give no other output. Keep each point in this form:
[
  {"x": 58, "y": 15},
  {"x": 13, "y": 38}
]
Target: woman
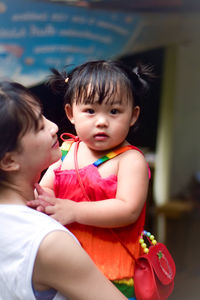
[{"x": 39, "y": 258}]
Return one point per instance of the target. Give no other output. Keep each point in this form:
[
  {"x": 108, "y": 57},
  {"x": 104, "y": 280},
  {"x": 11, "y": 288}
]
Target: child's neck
[{"x": 100, "y": 153}]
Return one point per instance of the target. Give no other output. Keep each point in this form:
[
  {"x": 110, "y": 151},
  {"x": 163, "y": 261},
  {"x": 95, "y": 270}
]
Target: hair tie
[
  {"x": 138, "y": 75},
  {"x": 135, "y": 70},
  {"x": 66, "y": 80}
]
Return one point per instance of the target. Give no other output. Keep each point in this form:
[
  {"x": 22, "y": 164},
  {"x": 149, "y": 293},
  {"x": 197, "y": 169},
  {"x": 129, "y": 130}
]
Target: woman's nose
[{"x": 53, "y": 127}]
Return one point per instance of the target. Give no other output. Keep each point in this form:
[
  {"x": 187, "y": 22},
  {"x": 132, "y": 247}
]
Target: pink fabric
[{"x": 102, "y": 246}]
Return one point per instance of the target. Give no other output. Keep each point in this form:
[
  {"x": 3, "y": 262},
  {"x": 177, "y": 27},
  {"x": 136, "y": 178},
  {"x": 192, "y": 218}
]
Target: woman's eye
[{"x": 41, "y": 125}]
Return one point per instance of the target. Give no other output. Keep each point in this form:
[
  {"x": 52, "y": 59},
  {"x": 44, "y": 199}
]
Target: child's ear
[
  {"x": 69, "y": 113},
  {"x": 135, "y": 115},
  {"x": 8, "y": 163}
]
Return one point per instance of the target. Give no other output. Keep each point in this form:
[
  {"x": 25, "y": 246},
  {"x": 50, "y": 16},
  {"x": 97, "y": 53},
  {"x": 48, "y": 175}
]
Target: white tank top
[{"x": 21, "y": 231}]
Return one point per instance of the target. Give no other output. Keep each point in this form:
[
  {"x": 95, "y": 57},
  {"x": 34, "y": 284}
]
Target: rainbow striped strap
[
  {"x": 66, "y": 145},
  {"x": 116, "y": 152},
  {"x": 112, "y": 154}
]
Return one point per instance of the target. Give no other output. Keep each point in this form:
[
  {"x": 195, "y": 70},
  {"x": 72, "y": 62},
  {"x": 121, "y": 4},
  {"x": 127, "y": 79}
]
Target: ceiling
[
  {"x": 36, "y": 35},
  {"x": 136, "y": 5}
]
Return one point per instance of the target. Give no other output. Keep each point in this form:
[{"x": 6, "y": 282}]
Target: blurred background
[{"x": 36, "y": 35}]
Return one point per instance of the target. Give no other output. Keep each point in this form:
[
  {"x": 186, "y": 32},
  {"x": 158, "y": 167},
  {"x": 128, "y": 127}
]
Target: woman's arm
[{"x": 62, "y": 264}]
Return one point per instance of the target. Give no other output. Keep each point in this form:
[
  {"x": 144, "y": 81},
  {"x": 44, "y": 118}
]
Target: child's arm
[
  {"x": 123, "y": 210},
  {"x": 45, "y": 188},
  {"x": 48, "y": 178}
]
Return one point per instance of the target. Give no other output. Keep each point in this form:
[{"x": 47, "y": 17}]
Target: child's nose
[{"x": 102, "y": 121}]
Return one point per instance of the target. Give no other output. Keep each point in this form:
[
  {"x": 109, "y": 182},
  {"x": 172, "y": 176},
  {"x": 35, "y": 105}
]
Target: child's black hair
[
  {"x": 98, "y": 81},
  {"x": 104, "y": 79}
]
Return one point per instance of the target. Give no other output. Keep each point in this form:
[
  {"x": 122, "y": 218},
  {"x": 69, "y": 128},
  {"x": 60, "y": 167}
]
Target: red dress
[{"x": 100, "y": 243}]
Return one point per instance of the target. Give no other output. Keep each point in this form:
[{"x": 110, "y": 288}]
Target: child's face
[
  {"x": 38, "y": 149},
  {"x": 103, "y": 126}
]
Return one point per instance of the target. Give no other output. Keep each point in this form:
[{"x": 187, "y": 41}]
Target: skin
[
  {"x": 44, "y": 142},
  {"x": 72, "y": 272},
  {"x": 61, "y": 263},
  {"x": 101, "y": 127}
]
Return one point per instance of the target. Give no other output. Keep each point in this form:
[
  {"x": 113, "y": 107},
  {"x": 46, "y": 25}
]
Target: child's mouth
[{"x": 100, "y": 136}]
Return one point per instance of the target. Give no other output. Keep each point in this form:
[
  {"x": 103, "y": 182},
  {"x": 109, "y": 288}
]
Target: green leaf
[{"x": 160, "y": 255}]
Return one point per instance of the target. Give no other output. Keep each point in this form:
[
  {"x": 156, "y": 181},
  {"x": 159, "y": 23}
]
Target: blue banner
[{"x": 38, "y": 35}]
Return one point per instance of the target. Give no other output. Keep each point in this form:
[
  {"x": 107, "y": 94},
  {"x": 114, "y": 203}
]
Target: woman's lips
[{"x": 56, "y": 144}]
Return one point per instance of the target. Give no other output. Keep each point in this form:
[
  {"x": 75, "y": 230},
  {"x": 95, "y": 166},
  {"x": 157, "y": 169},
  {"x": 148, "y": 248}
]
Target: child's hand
[
  {"x": 39, "y": 204},
  {"x": 62, "y": 210}
]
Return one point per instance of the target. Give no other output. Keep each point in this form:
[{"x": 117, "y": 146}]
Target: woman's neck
[{"x": 11, "y": 194}]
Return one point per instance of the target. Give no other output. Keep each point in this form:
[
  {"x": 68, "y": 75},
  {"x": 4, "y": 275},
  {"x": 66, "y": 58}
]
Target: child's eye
[
  {"x": 90, "y": 111},
  {"x": 114, "y": 111}
]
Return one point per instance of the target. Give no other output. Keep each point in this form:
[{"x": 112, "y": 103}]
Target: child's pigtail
[
  {"x": 58, "y": 82},
  {"x": 144, "y": 75}
]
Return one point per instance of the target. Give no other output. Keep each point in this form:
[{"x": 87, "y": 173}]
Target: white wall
[
  {"x": 186, "y": 133},
  {"x": 178, "y": 146}
]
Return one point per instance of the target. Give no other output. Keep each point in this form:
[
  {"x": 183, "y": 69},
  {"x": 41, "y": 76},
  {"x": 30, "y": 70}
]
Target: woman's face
[{"x": 39, "y": 148}]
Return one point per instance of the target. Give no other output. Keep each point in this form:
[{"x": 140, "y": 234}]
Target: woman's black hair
[{"x": 17, "y": 114}]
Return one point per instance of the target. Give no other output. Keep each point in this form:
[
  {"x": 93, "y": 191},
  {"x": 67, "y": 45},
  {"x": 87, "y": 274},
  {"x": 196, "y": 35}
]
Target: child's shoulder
[
  {"x": 133, "y": 159},
  {"x": 133, "y": 153},
  {"x": 55, "y": 165}
]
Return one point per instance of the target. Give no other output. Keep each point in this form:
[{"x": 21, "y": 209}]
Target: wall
[
  {"x": 186, "y": 134},
  {"x": 178, "y": 143}
]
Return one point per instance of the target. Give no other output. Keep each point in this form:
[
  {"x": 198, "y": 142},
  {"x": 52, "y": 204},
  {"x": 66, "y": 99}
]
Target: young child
[{"x": 101, "y": 184}]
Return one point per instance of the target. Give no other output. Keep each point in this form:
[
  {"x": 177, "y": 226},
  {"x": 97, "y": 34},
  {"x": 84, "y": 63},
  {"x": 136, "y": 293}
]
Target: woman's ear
[
  {"x": 69, "y": 113},
  {"x": 135, "y": 115},
  {"x": 8, "y": 163}
]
